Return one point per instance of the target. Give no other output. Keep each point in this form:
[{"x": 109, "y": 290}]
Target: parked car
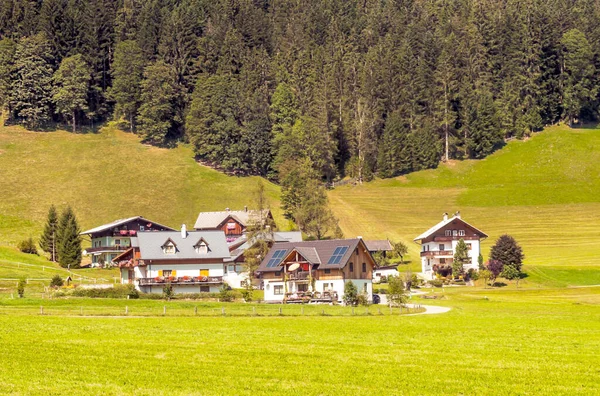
[{"x": 376, "y": 299}]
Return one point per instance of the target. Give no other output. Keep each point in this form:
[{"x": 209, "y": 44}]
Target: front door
[{"x": 130, "y": 275}]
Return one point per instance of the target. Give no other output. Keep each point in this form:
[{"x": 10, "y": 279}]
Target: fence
[
  {"x": 74, "y": 276},
  {"x": 201, "y": 310}
]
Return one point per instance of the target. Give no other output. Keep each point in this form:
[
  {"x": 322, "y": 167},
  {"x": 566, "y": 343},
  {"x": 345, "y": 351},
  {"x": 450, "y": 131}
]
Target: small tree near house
[
  {"x": 396, "y": 293},
  {"x": 510, "y": 272},
  {"x": 49, "y": 235},
  {"x": 508, "y": 252},
  {"x": 461, "y": 256},
  {"x": 350, "y": 293},
  {"x": 495, "y": 267},
  {"x": 21, "y": 287},
  {"x": 400, "y": 250}
]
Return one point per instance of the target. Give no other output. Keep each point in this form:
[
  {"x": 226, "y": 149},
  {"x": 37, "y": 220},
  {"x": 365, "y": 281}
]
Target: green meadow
[
  {"x": 527, "y": 342},
  {"x": 544, "y": 191}
]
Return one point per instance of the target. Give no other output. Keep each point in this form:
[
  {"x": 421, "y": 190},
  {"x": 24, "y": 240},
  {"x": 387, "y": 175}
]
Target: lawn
[
  {"x": 106, "y": 176},
  {"x": 491, "y": 342},
  {"x": 543, "y": 191}
]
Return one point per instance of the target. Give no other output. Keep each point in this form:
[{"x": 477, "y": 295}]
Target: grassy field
[
  {"x": 107, "y": 176},
  {"x": 543, "y": 191},
  {"x": 491, "y": 342}
]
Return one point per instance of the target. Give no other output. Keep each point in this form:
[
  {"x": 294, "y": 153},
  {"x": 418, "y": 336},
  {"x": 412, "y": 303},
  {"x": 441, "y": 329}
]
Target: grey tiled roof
[{"x": 151, "y": 245}]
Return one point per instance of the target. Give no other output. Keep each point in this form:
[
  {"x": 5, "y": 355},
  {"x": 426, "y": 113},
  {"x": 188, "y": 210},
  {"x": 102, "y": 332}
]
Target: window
[
  {"x": 448, "y": 232},
  {"x": 442, "y": 247},
  {"x": 461, "y": 232},
  {"x": 428, "y": 262},
  {"x": 469, "y": 246},
  {"x": 442, "y": 260},
  {"x": 303, "y": 287},
  {"x": 278, "y": 290},
  {"x": 231, "y": 268},
  {"x": 117, "y": 242},
  {"x": 204, "y": 272},
  {"x": 278, "y": 273},
  {"x": 167, "y": 273},
  {"x": 356, "y": 251},
  {"x": 364, "y": 267},
  {"x": 276, "y": 258},
  {"x": 454, "y": 233},
  {"x": 365, "y": 288},
  {"x": 327, "y": 287},
  {"x": 204, "y": 289},
  {"x": 328, "y": 271},
  {"x": 202, "y": 248},
  {"x": 231, "y": 226},
  {"x": 337, "y": 255},
  {"x": 170, "y": 249},
  {"x": 141, "y": 228},
  {"x": 351, "y": 267}
]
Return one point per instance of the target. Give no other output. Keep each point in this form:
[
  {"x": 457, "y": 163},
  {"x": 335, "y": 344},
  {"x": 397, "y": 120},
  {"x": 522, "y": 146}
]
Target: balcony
[
  {"x": 455, "y": 238},
  {"x": 434, "y": 253},
  {"x": 300, "y": 275},
  {"x": 115, "y": 248},
  {"x": 182, "y": 280}
]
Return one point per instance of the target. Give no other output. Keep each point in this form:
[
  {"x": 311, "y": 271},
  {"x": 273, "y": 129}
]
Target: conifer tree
[
  {"x": 159, "y": 94},
  {"x": 7, "y": 60},
  {"x": 48, "y": 239},
  {"x": 314, "y": 217},
  {"x": 128, "y": 72},
  {"x": 69, "y": 240},
  {"x": 31, "y": 88},
  {"x": 70, "y": 87},
  {"x": 461, "y": 257}
]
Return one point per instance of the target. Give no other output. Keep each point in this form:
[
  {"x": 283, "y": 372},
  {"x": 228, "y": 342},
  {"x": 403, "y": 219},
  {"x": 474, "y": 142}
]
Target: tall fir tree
[
  {"x": 71, "y": 82},
  {"x": 49, "y": 237},
  {"x": 69, "y": 240}
]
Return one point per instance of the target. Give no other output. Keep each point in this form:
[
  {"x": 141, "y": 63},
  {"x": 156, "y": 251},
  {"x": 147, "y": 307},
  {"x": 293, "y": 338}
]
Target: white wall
[
  {"x": 185, "y": 269},
  {"x": 338, "y": 286},
  {"x": 427, "y": 270}
]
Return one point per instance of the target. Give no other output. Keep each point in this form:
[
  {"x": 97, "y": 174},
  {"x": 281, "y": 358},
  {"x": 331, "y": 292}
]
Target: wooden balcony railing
[
  {"x": 433, "y": 253},
  {"x": 300, "y": 275},
  {"x": 455, "y": 238},
  {"x": 115, "y": 248},
  {"x": 182, "y": 280}
]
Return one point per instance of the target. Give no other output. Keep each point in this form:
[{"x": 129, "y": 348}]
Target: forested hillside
[{"x": 305, "y": 89}]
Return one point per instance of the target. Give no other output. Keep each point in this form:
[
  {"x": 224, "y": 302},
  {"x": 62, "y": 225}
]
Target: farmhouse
[
  {"x": 191, "y": 262},
  {"x": 235, "y": 272},
  {"x": 316, "y": 270},
  {"x": 112, "y": 239},
  {"x": 438, "y": 245},
  {"x": 232, "y": 222}
]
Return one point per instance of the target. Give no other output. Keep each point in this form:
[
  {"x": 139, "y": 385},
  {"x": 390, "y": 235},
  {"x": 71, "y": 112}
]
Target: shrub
[
  {"x": 363, "y": 299},
  {"x": 436, "y": 282},
  {"x": 396, "y": 291},
  {"x": 247, "y": 294},
  {"x": 21, "y": 287},
  {"x": 168, "y": 291},
  {"x": 27, "y": 246},
  {"x": 350, "y": 293},
  {"x": 56, "y": 281},
  {"x": 225, "y": 293},
  {"x": 472, "y": 274},
  {"x": 151, "y": 296},
  {"x": 117, "y": 291}
]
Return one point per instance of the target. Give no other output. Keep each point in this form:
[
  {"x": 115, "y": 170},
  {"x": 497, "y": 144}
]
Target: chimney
[
  {"x": 445, "y": 216},
  {"x": 359, "y": 237},
  {"x": 457, "y": 214},
  {"x": 183, "y": 231},
  {"x": 245, "y": 208},
  {"x": 226, "y": 209}
]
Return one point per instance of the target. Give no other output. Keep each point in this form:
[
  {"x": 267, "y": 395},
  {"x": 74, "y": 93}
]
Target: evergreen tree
[
  {"x": 68, "y": 240},
  {"x": 70, "y": 87},
  {"x": 7, "y": 59},
  {"x": 461, "y": 257},
  {"x": 483, "y": 126},
  {"x": 507, "y": 251},
  {"x": 159, "y": 94},
  {"x": 128, "y": 72},
  {"x": 48, "y": 239},
  {"x": 31, "y": 88},
  {"x": 314, "y": 216}
]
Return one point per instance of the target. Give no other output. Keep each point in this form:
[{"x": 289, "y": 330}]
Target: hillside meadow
[
  {"x": 106, "y": 176},
  {"x": 541, "y": 342},
  {"x": 544, "y": 191}
]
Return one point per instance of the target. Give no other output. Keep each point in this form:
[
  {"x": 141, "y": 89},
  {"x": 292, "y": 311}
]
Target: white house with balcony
[
  {"x": 438, "y": 245},
  {"x": 191, "y": 262}
]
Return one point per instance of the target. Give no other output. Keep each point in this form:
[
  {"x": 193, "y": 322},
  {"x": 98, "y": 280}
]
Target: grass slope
[
  {"x": 107, "y": 176},
  {"x": 491, "y": 342},
  {"x": 543, "y": 191}
]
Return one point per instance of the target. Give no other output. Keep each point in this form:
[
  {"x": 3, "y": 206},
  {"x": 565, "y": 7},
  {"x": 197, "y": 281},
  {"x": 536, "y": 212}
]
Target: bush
[
  {"x": 472, "y": 274},
  {"x": 21, "y": 287},
  {"x": 56, "y": 281},
  {"x": 436, "y": 283},
  {"x": 168, "y": 291},
  {"x": 225, "y": 293},
  {"x": 27, "y": 246},
  {"x": 151, "y": 296},
  {"x": 363, "y": 299},
  {"x": 350, "y": 293},
  {"x": 118, "y": 291}
]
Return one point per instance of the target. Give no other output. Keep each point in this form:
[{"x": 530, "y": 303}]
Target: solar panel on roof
[
  {"x": 337, "y": 255},
  {"x": 276, "y": 258}
]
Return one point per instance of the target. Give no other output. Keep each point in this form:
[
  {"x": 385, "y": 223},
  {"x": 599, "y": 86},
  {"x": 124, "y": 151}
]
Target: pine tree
[
  {"x": 31, "y": 88},
  {"x": 461, "y": 257},
  {"x": 70, "y": 87},
  {"x": 128, "y": 72},
  {"x": 68, "y": 241},
  {"x": 314, "y": 217},
  {"x": 7, "y": 64},
  {"x": 156, "y": 114},
  {"x": 48, "y": 239}
]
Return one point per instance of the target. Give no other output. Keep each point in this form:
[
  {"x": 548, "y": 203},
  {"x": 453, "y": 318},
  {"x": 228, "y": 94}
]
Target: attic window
[
  {"x": 169, "y": 248},
  {"x": 461, "y": 232},
  {"x": 448, "y": 232},
  {"x": 202, "y": 248},
  {"x": 231, "y": 226}
]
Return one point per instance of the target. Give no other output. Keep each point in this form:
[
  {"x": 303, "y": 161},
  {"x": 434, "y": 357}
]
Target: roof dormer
[
  {"x": 201, "y": 246},
  {"x": 169, "y": 247}
]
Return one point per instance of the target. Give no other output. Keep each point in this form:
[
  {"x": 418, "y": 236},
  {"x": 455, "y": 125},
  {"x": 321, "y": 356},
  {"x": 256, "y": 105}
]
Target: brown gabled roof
[
  {"x": 317, "y": 251},
  {"x": 383, "y": 245},
  {"x": 446, "y": 222}
]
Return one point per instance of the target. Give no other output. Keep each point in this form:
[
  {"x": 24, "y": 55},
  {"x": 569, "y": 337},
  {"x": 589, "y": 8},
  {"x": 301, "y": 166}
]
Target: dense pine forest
[{"x": 313, "y": 89}]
